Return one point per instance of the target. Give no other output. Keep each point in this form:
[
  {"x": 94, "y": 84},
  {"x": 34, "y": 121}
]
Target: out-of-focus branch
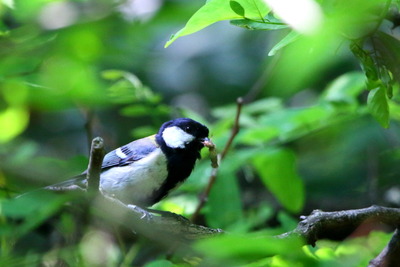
[
  {"x": 213, "y": 177},
  {"x": 390, "y": 255}
]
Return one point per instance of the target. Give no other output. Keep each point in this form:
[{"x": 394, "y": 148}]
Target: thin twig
[
  {"x": 258, "y": 86},
  {"x": 213, "y": 176}
]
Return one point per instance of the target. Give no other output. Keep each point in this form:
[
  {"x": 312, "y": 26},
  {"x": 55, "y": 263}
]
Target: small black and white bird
[{"x": 144, "y": 171}]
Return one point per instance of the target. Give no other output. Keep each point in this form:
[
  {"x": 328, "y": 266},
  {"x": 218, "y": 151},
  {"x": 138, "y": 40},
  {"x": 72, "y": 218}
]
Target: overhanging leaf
[
  {"x": 277, "y": 171},
  {"x": 218, "y": 10}
]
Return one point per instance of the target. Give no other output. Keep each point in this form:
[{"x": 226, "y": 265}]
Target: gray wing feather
[{"x": 132, "y": 152}]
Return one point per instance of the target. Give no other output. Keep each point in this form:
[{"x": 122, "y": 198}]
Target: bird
[{"x": 144, "y": 171}]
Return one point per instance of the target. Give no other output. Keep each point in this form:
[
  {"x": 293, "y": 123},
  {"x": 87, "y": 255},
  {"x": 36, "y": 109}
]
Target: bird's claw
[{"x": 144, "y": 213}]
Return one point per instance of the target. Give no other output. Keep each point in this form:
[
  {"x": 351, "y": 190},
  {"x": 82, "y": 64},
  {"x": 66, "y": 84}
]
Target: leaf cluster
[{"x": 308, "y": 138}]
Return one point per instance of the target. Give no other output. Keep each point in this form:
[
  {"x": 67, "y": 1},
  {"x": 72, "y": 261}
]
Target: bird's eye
[{"x": 187, "y": 128}]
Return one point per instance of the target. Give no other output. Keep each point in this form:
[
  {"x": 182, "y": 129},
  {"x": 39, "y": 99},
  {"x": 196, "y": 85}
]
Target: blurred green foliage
[{"x": 311, "y": 131}]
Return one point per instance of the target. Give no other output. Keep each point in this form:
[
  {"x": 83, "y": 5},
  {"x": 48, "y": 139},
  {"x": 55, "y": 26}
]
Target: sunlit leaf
[
  {"x": 217, "y": 10},
  {"x": 13, "y": 121},
  {"x": 288, "y": 39},
  {"x": 287, "y": 124},
  {"x": 278, "y": 172},
  {"x": 8, "y": 3},
  {"x": 378, "y": 105},
  {"x": 304, "y": 61}
]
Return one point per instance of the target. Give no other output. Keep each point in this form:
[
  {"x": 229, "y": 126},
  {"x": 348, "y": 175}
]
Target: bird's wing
[
  {"x": 126, "y": 154},
  {"x": 131, "y": 152}
]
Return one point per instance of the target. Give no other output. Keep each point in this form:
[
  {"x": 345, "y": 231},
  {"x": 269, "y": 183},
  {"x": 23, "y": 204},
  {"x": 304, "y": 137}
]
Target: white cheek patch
[{"x": 175, "y": 137}]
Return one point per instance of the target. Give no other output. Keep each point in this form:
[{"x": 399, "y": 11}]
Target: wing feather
[{"x": 129, "y": 153}]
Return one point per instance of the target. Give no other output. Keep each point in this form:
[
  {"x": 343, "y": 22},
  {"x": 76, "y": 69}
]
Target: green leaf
[
  {"x": 159, "y": 263},
  {"x": 8, "y": 3},
  {"x": 389, "y": 49},
  {"x": 253, "y": 246},
  {"x": 113, "y": 75},
  {"x": 286, "y": 124},
  {"x": 237, "y": 8},
  {"x": 277, "y": 171},
  {"x": 127, "y": 88},
  {"x": 224, "y": 203},
  {"x": 32, "y": 208},
  {"x": 378, "y": 105},
  {"x": 218, "y": 10},
  {"x": 346, "y": 88},
  {"x": 288, "y": 39},
  {"x": 13, "y": 121}
]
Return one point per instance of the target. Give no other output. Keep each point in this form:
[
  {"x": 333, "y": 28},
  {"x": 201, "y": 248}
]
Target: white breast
[{"x": 136, "y": 181}]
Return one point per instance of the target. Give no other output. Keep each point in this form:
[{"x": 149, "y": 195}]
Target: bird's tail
[{"x": 75, "y": 183}]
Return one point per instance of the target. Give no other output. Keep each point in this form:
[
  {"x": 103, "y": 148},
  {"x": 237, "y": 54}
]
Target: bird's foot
[
  {"x": 144, "y": 213},
  {"x": 164, "y": 213}
]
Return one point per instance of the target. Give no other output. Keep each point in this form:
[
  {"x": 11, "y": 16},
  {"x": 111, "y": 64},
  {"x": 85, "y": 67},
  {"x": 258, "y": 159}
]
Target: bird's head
[{"x": 183, "y": 134}]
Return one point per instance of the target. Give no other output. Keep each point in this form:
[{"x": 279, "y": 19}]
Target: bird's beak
[
  {"x": 207, "y": 142},
  {"x": 204, "y": 140}
]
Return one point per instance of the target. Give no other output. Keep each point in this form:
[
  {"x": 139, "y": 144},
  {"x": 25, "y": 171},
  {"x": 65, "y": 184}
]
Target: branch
[
  {"x": 164, "y": 229},
  {"x": 390, "y": 255},
  {"x": 213, "y": 177},
  {"x": 95, "y": 163},
  {"x": 340, "y": 224}
]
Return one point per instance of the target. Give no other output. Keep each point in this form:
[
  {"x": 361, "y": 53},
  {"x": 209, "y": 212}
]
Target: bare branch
[
  {"x": 390, "y": 255},
  {"x": 163, "y": 228},
  {"x": 213, "y": 177}
]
